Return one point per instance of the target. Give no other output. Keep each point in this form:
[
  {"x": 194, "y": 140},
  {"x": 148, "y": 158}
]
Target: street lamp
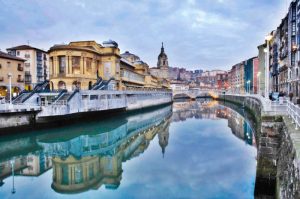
[
  {"x": 12, "y": 163},
  {"x": 9, "y": 75},
  {"x": 267, "y": 63},
  {"x": 258, "y": 82}
]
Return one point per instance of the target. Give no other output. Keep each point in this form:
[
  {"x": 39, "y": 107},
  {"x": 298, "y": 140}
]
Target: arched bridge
[{"x": 193, "y": 93}]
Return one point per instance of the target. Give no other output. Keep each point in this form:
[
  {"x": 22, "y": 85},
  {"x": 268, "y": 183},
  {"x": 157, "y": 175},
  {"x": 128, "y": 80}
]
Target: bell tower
[{"x": 162, "y": 61}]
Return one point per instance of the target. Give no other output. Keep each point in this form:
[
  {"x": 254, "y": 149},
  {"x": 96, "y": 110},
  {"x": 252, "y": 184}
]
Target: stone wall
[
  {"x": 278, "y": 147},
  {"x": 288, "y": 161},
  {"x": 10, "y": 120}
]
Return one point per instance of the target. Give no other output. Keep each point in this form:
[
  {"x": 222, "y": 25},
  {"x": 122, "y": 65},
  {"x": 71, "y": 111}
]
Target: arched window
[
  {"x": 90, "y": 85},
  {"x": 76, "y": 85},
  {"x": 61, "y": 85}
]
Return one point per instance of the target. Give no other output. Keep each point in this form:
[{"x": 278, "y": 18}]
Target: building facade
[
  {"x": 36, "y": 64},
  {"x": 261, "y": 70},
  {"x": 78, "y": 65},
  {"x": 11, "y": 67}
]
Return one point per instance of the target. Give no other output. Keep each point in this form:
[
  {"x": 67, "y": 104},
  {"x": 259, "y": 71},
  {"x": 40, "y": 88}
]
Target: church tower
[
  {"x": 163, "y": 139},
  {"x": 162, "y": 62}
]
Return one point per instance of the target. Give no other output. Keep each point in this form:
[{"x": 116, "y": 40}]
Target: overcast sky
[{"x": 198, "y": 34}]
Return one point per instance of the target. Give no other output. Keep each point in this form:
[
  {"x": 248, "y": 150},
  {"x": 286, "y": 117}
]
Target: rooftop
[
  {"x": 8, "y": 56},
  {"x": 25, "y": 47}
]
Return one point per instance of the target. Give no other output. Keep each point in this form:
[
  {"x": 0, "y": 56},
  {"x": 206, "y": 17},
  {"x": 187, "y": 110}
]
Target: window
[
  {"x": 94, "y": 97},
  {"x": 18, "y": 53},
  {"x": 85, "y": 97},
  {"x": 75, "y": 62},
  {"x": 78, "y": 174},
  {"x": 89, "y": 65},
  {"x": 65, "y": 174},
  {"x": 62, "y": 64},
  {"x": 293, "y": 59}
]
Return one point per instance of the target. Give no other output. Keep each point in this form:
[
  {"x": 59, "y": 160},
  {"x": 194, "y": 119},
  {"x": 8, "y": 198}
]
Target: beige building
[
  {"x": 79, "y": 64},
  {"x": 14, "y": 66},
  {"x": 136, "y": 73},
  {"x": 36, "y": 64}
]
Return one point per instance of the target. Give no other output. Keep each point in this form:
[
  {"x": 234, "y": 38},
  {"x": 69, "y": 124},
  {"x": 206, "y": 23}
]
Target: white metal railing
[
  {"x": 294, "y": 113},
  {"x": 7, "y": 107}
]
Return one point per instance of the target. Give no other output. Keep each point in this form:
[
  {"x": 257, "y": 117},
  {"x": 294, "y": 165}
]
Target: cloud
[{"x": 197, "y": 34}]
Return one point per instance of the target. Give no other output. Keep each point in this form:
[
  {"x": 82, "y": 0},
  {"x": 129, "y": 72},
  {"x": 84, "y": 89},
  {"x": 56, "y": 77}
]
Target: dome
[{"x": 110, "y": 43}]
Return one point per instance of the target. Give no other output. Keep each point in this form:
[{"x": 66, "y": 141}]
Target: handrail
[
  {"x": 72, "y": 95},
  {"x": 60, "y": 95}
]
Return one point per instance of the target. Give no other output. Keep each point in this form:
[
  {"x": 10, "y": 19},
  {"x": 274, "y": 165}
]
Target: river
[{"x": 191, "y": 149}]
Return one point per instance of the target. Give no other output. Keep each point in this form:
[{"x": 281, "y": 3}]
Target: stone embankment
[{"x": 278, "y": 147}]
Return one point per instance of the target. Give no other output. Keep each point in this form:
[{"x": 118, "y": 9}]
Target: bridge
[{"x": 195, "y": 93}]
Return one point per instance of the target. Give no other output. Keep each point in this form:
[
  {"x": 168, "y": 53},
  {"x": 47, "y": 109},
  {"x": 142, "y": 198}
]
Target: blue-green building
[{"x": 248, "y": 75}]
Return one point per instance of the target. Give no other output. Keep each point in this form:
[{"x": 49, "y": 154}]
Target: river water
[{"x": 197, "y": 149}]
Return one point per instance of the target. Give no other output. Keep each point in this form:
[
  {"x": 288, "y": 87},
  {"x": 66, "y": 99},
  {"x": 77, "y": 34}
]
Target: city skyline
[{"x": 193, "y": 32}]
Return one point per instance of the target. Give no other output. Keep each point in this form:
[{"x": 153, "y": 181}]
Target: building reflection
[
  {"x": 91, "y": 161},
  {"x": 209, "y": 109},
  {"x": 88, "y": 156}
]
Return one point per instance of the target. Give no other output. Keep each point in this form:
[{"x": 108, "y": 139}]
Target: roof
[
  {"x": 8, "y": 56},
  {"x": 25, "y": 47},
  {"x": 126, "y": 62}
]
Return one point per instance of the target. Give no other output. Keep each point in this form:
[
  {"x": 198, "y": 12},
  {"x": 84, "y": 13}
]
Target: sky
[{"x": 197, "y": 34}]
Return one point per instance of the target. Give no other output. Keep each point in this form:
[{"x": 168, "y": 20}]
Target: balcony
[
  {"x": 132, "y": 77},
  {"x": 20, "y": 68},
  {"x": 40, "y": 74},
  {"x": 20, "y": 79}
]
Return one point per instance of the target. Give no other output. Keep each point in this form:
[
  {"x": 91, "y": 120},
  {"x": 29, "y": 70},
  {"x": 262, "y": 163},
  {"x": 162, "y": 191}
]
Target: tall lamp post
[
  {"x": 10, "y": 93},
  {"x": 267, "y": 63},
  {"x": 258, "y": 82}
]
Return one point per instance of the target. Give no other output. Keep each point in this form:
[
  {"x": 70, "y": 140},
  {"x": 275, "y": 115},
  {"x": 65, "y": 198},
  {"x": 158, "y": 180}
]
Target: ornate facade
[{"x": 79, "y": 64}]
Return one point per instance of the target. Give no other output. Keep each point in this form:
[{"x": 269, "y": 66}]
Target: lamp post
[
  {"x": 12, "y": 163},
  {"x": 267, "y": 63},
  {"x": 10, "y": 93},
  {"x": 258, "y": 82}
]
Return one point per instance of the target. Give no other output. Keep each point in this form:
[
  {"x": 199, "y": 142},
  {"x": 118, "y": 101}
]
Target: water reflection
[
  {"x": 208, "y": 109},
  {"x": 88, "y": 157},
  {"x": 92, "y": 155}
]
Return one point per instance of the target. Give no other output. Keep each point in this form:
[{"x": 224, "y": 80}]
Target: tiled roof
[
  {"x": 8, "y": 56},
  {"x": 25, "y": 47}
]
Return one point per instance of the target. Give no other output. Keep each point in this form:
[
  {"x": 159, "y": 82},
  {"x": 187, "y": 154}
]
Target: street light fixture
[
  {"x": 9, "y": 75},
  {"x": 267, "y": 63}
]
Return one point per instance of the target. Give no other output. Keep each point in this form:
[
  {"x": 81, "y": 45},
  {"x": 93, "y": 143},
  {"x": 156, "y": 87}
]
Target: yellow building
[
  {"x": 14, "y": 66},
  {"x": 79, "y": 64},
  {"x": 139, "y": 72}
]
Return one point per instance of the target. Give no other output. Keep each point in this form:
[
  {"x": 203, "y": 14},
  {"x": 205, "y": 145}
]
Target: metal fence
[
  {"x": 294, "y": 113},
  {"x": 6, "y": 107}
]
